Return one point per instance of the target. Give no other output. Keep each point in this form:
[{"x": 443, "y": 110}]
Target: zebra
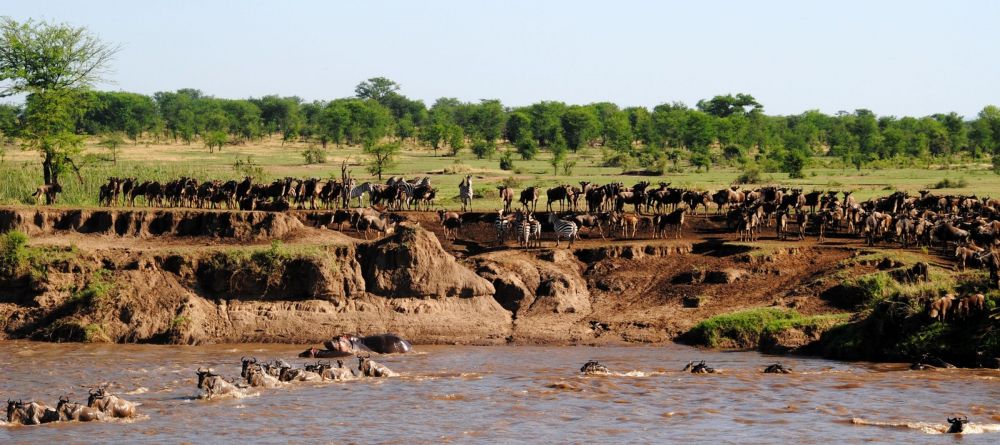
[
  {"x": 465, "y": 193},
  {"x": 502, "y": 226},
  {"x": 563, "y": 229},
  {"x": 536, "y": 231},
  {"x": 523, "y": 232},
  {"x": 359, "y": 192}
]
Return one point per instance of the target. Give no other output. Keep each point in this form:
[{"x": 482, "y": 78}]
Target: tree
[
  {"x": 382, "y": 156},
  {"x": 215, "y": 139},
  {"x": 376, "y": 88},
  {"x": 580, "y": 125},
  {"x": 558, "y": 153},
  {"x": 483, "y": 149},
  {"x": 456, "y": 139},
  {"x": 527, "y": 147},
  {"x": 518, "y": 125},
  {"x": 113, "y": 143},
  {"x": 724, "y": 106},
  {"x": 488, "y": 120},
  {"x": 793, "y": 162},
  {"x": 52, "y": 64}
]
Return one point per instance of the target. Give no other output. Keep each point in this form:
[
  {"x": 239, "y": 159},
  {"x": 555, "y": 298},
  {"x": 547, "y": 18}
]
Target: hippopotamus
[
  {"x": 957, "y": 424},
  {"x": 382, "y": 344},
  {"x": 594, "y": 368}
]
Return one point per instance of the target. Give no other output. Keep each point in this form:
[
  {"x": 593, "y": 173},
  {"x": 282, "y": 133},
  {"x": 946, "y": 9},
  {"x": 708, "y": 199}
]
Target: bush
[
  {"x": 483, "y": 149},
  {"x": 314, "y": 155},
  {"x": 568, "y": 167},
  {"x": 744, "y": 328},
  {"x": 750, "y": 175},
  {"x": 950, "y": 184},
  {"x": 12, "y": 253},
  {"x": 527, "y": 148},
  {"x": 248, "y": 168},
  {"x": 506, "y": 162},
  {"x": 511, "y": 182}
]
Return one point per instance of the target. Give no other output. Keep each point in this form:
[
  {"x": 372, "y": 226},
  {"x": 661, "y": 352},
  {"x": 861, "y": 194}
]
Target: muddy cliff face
[{"x": 183, "y": 276}]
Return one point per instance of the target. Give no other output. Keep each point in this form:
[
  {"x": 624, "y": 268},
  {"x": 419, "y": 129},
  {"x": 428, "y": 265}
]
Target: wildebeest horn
[
  {"x": 64, "y": 398},
  {"x": 243, "y": 359}
]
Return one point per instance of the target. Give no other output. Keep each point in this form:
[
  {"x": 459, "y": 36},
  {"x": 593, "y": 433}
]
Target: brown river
[{"x": 505, "y": 394}]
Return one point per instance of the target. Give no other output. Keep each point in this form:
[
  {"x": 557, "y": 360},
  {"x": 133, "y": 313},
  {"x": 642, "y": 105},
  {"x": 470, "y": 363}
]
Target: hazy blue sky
[{"x": 894, "y": 57}]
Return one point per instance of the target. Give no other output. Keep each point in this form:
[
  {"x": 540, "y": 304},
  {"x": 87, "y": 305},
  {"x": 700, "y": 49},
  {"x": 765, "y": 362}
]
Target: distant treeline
[{"x": 725, "y": 128}]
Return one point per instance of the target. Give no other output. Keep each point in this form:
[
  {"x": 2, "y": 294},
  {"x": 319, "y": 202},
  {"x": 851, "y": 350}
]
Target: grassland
[{"x": 21, "y": 171}]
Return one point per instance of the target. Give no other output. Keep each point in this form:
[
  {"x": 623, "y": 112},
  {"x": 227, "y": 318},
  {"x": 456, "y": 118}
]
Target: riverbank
[{"x": 192, "y": 277}]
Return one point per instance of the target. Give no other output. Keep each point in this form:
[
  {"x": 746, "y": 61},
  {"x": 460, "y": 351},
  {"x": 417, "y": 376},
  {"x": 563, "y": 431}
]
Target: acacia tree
[
  {"x": 53, "y": 64},
  {"x": 382, "y": 156}
]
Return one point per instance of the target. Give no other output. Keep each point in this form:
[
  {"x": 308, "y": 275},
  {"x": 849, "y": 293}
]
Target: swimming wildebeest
[
  {"x": 777, "y": 368},
  {"x": 214, "y": 385},
  {"x": 698, "y": 368},
  {"x": 592, "y": 367},
  {"x": 957, "y": 424},
  {"x": 110, "y": 404},
  {"x": 30, "y": 413},
  {"x": 370, "y": 368},
  {"x": 74, "y": 411}
]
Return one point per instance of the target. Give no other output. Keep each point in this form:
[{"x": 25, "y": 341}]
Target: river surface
[{"x": 505, "y": 394}]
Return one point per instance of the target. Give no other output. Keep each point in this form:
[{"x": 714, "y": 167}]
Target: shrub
[
  {"x": 511, "y": 182},
  {"x": 950, "y": 184},
  {"x": 527, "y": 147},
  {"x": 483, "y": 149},
  {"x": 314, "y": 155},
  {"x": 750, "y": 175},
  {"x": 745, "y": 328},
  {"x": 506, "y": 161},
  {"x": 568, "y": 167},
  {"x": 12, "y": 253}
]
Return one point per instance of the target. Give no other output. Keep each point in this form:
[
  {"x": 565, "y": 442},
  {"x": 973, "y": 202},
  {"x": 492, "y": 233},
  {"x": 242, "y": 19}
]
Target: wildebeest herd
[
  {"x": 101, "y": 405},
  {"x": 278, "y": 195}
]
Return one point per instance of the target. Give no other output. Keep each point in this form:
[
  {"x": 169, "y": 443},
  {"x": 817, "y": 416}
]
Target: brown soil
[{"x": 178, "y": 277}]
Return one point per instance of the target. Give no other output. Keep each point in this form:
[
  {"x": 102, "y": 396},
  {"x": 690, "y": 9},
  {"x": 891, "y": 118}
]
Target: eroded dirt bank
[{"x": 212, "y": 276}]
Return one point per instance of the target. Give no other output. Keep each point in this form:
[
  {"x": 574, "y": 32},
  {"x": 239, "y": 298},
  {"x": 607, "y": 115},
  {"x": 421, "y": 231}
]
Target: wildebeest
[
  {"x": 213, "y": 385},
  {"x": 451, "y": 222},
  {"x": 110, "y": 404},
  {"x": 49, "y": 191},
  {"x": 699, "y": 368},
  {"x": 529, "y": 199},
  {"x": 673, "y": 220},
  {"x": 777, "y": 368},
  {"x": 938, "y": 309},
  {"x": 558, "y": 193},
  {"x": 369, "y": 368},
  {"x": 74, "y": 411},
  {"x": 30, "y": 413},
  {"x": 592, "y": 367},
  {"x": 957, "y": 425},
  {"x": 506, "y": 196}
]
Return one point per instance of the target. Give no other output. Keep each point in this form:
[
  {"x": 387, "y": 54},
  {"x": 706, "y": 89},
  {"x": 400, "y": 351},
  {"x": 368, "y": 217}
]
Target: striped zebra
[
  {"x": 563, "y": 229},
  {"x": 523, "y": 232},
  {"x": 359, "y": 192},
  {"x": 465, "y": 193},
  {"x": 536, "y": 232},
  {"x": 502, "y": 226}
]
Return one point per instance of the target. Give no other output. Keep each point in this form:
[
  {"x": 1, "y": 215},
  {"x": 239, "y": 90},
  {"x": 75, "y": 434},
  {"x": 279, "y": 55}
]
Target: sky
[{"x": 894, "y": 57}]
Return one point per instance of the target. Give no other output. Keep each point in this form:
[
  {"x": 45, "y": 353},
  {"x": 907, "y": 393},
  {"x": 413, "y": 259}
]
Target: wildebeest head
[
  {"x": 957, "y": 424},
  {"x": 95, "y": 395},
  {"x": 11, "y": 407},
  {"x": 247, "y": 362},
  {"x": 202, "y": 375}
]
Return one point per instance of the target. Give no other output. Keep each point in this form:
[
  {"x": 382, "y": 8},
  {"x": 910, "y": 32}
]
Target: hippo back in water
[{"x": 382, "y": 344}]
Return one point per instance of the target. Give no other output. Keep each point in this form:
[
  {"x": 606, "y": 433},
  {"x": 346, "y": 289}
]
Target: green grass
[
  {"x": 22, "y": 171},
  {"x": 744, "y": 329}
]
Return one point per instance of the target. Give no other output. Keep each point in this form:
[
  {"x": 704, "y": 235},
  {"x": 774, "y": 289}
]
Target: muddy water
[{"x": 459, "y": 394}]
